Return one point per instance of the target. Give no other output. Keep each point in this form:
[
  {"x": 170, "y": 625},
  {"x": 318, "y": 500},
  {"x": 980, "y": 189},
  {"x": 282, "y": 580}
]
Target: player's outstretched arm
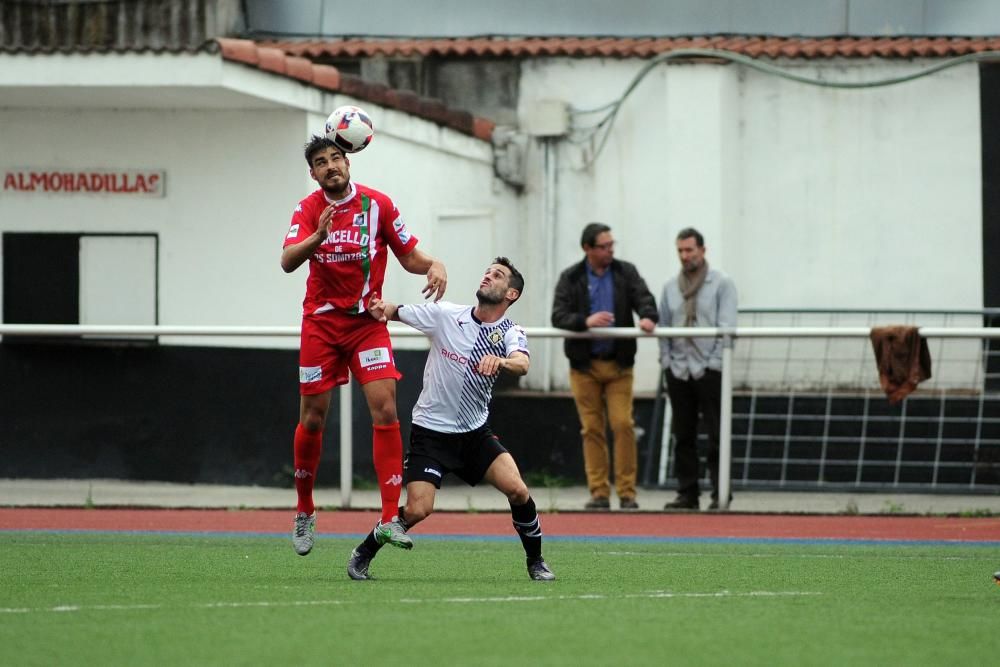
[
  {"x": 421, "y": 263},
  {"x": 516, "y": 364},
  {"x": 383, "y": 311}
]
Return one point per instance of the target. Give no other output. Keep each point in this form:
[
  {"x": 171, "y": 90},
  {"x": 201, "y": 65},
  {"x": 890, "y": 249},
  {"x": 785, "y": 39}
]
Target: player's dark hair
[
  {"x": 591, "y": 232},
  {"x": 316, "y": 144},
  {"x": 691, "y": 233},
  {"x": 516, "y": 279}
]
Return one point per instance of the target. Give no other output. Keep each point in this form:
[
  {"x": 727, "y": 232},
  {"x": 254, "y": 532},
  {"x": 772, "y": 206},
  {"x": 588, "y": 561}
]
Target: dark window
[{"x": 41, "y": 278}]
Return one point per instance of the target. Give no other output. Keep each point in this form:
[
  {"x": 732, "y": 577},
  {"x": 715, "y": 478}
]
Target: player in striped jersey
[{"x": 450, "y": 432}]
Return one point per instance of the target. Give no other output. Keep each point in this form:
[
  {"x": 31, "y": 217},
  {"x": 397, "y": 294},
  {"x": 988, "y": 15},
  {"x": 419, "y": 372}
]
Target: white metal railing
[{"x": 401, "y": 331}]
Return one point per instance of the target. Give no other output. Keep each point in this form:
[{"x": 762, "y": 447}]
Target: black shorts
[{"x": 433, "y": 454}]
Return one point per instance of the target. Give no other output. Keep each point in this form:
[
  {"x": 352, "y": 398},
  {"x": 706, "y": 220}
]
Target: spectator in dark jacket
[{"x": 602, "y": 291}]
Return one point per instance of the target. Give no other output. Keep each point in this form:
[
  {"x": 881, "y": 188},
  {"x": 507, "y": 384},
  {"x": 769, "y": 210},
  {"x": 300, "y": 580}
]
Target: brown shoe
[
  {"x": 597, "y": 504},
  {"x": 628, "y": 504}
]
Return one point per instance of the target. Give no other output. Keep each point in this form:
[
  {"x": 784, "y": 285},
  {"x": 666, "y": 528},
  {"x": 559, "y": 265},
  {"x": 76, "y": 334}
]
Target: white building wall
[
  {"x": 233, "y": 178},
  {"x": 809, "y": 197},
  {"x": 876, "y": 192}
]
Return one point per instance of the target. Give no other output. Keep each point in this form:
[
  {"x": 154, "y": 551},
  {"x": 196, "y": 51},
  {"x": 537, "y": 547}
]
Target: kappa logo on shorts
[
  {"x": 374, "y": 357},
  {"x": 433, "y": 471},
  {"x": 310, "y": 374}
]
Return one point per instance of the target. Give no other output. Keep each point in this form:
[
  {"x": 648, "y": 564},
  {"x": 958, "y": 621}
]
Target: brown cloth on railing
[{"x": 902, "y": 358}]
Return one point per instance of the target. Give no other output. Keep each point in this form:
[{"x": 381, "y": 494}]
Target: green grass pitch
[{"x": 134, "y": 599}]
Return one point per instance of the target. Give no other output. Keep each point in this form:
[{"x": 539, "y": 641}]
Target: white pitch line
[
  {"x": 140, "y": 607},
  {"x": 323, "y": 603},
  {"x": 77, "y": 607},
  {"x": 600, "y": 596},
  {"x": 695, "y": 554},
  {"x": 294, "y": 603}
]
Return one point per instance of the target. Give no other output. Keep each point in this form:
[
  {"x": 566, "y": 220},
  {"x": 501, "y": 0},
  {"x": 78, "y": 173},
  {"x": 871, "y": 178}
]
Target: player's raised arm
[
  {"x": 293, "y": 256},
  {"x": 420, "y": 263}
]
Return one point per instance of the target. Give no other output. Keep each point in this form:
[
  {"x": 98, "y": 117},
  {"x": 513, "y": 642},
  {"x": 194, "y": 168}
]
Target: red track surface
[{"x": 564, "y": 524}]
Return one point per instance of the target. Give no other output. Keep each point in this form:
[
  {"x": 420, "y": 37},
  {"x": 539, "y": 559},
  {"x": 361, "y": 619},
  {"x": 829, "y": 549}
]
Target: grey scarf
[{"x": 689, "y": 284}]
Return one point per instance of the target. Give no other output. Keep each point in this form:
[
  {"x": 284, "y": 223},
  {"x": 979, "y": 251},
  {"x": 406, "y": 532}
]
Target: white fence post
[
  {"x": 346, "y": 445},
  {"x": 726, "y": 423}
]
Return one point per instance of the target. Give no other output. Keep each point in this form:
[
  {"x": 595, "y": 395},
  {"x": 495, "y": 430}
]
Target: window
[{"x": 79, "y": 278}]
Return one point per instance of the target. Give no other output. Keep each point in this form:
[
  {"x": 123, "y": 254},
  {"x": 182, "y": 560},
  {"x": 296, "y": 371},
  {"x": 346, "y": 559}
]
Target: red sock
[
  {"x": 308, "y": 447},
  {"x": 387, "y": 452}
]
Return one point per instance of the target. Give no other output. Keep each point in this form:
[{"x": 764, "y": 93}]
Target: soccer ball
[{"x": 350, "y": 128}]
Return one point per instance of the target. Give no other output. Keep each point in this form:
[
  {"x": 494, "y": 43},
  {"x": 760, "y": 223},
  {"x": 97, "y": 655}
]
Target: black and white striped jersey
[{"x": 455, "y": 397}]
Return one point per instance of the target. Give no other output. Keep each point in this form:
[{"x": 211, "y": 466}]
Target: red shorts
[{"x": 334, "y": 342}]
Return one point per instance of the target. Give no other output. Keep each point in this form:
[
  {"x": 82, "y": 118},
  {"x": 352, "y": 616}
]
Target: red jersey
[{"x": 348, "y": 268}]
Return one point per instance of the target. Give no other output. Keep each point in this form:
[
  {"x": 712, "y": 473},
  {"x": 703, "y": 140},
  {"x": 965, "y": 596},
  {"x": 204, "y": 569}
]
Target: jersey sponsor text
[
  {"x": 454, "y": 356},
  {"x": 331, "y": 257},
  {"x": 346, "y": 236}
]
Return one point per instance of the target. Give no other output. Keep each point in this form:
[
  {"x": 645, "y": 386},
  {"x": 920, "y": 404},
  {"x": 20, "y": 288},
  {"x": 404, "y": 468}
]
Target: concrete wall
[{"x": 809, "y": 197}]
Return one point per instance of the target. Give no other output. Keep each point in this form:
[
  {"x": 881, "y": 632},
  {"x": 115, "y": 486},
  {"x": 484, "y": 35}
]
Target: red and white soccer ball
[{"x": 350, "y": 128}]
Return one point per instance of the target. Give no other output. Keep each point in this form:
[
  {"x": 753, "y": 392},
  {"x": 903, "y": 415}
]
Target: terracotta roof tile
[
  {"x": 294, "y": 64},
  {"x": 272, "y": 60},
  {"x": 326, "y": 77},
  {"x": 408, "y": 101},
  {"x": 483, "y": 128},
  {"x": 300, "y": 68},
  {"x": 463, "y": 121},
  {"x": 645, "y": 47},
  {"x": 239, "y": 50}
]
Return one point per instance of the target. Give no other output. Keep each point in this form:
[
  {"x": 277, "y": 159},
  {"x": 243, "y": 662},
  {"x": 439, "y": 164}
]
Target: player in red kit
[{"x": 346, "y": 230}]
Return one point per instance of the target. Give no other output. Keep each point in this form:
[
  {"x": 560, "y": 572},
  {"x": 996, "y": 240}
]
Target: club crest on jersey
[
  {"x": 495, "y": 337},
  {"x": 360, "y": 219},
  {"x": 373, "y": 357}
]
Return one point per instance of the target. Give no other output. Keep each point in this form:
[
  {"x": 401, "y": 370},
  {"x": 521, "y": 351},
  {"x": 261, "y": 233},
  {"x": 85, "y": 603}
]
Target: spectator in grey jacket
[
  {"x": 697, "y": 297},
  {"x": 601, "y": 291}
]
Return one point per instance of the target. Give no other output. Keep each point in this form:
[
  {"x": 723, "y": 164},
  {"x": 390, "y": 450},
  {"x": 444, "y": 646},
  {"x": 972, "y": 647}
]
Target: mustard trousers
[{"x": 606, "y": 385}]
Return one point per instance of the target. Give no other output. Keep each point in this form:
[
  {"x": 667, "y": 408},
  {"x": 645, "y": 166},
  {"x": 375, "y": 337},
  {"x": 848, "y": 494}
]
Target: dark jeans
[{"x": 688, "y": 398}]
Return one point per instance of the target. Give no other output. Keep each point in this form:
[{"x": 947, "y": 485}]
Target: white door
[{"x": 118, "y": 280}]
